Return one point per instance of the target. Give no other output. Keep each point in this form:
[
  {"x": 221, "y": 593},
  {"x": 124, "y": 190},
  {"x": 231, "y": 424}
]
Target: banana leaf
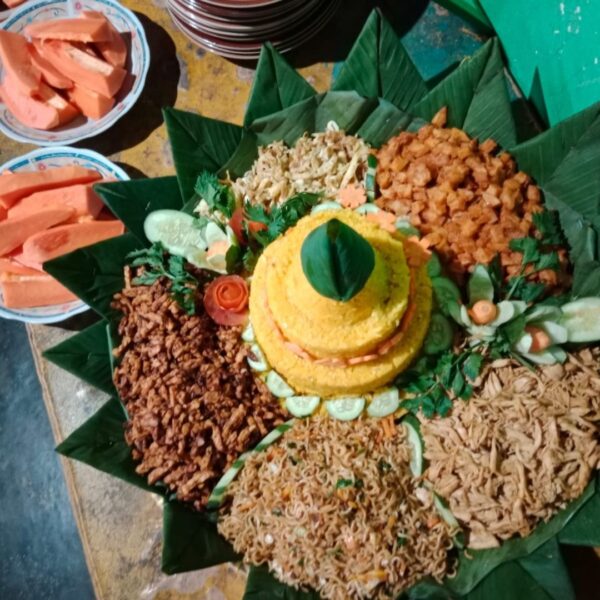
[
  {"x": 198, "y": 143},
  {"x": 95, "y": 273},
  {"x": 476, "y": 96},
  {"x": 242, "y": 158},
  {"x": 276, "y": 86},
  {"x": 100, "y": 443},
  {"x": 584, "y": 528},
  {"x": 191, "y": 540},
  {"x": 379, "y": 66},
  {"x": 473, "y": 570},
  {"x": 508, "y": 582},
  {"x": 132, "y": 200},
  {"x": 263, "y": 586},
  {"x": 87, "y": 356},
  {"x": 547, "y": 567}
]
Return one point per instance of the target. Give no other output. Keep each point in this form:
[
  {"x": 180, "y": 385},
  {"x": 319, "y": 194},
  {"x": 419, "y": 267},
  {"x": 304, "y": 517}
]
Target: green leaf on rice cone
[
  {"x": 198, "y": 144},
  {"x": 276, "y": 86},
  {"x": 87, "y": 356},
  {"x": 131, "y": 201},
  {"x": 191, "y": 540}
]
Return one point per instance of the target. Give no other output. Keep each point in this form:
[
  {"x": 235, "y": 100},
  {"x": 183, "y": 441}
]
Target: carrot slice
[
  {"x": 28, "y": 291},
  {"x": 50, "y": 74},
  {"x": 13, "y": 232},
  {"x": 81, "y": 198},
  {"x": 31, "y": 112},
  {"x": 114, "y": 50},
  {"x": 57, "y": 241},
  {"x": 84, "y": 69},
  {"x": 15, "y": 186},
  {"x": 16, "y": 62},
  {"x": 66, "y": 111},
  {"x": 92, "y": 104},
  {"x": 71, "y": 30}
]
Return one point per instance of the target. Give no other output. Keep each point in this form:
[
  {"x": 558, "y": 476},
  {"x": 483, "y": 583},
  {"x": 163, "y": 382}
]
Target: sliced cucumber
[
  {"x": 413, "y": 431},
  {"x": 558, "y": 334},
  {"x": 439, "y": 335},
  {"x": 218, "y": 494},
  {"x": 480, "y": 285},
  {"x": 445, "y": 292},
  {"x": 445, "y": 512},
  {"x": 346, "y": 409},
  {"x": 258, "y": 362},
  {"x": 331, "y": 205},
  {"x": 370, "y": 178},
  {"x": 582, "y": 319},
  {"x": 368, "y": 208},
  {"x": 434, "y": 266},
  {"x": 175, "y": 230},
  {"x": 278, "y": 386},
  {"x": 302, "y": 406},
  {"x": 384, "y": 403},
  {"x": 248, "y": 334}
]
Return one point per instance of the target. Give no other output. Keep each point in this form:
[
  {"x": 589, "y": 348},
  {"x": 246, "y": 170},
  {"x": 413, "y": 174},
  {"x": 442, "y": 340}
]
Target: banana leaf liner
[{"x": 378, "y": 93}]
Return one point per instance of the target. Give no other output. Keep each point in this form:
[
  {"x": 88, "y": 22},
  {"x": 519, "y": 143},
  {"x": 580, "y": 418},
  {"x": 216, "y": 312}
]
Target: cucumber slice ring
[
  {"x": 384, "y": 403},
  {"x": 278, "y": 386},
  {"x": 346, "y": 409},
  {"x": 258, "y": 362},
  {"x": 302, "y": 406},
  {"x": 218, "y": 494}
]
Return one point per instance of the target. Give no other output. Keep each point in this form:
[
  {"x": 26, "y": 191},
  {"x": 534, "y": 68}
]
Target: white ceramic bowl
[
  {"x": 138, "y": 63},
  {"x": 44, "y": 158}
]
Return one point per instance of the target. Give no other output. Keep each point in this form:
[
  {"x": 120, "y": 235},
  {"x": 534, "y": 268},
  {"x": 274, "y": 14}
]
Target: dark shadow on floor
[
  {"x": 584, "y": 566},
  {"x": 159, "y": 91},
  {"x": 132, "y": 171}
]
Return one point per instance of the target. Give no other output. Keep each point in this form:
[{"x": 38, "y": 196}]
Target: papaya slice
[
  {"x": 91, "y": 29},
  {"x": 113, "y": 50},
  {"x": 29, "y": 291},
  {"x": 84, "y": 69},
  {"x": 8, "y": 265},
  {"x": 66, "y": 111},
  {"x": 63, "y": 239},
  {"x": 16, "y": 62},
  {"x": 81, "y": 198},
  {"x": 13, "y": 3},
  {"x": 50, "y": 74},
  {"x": 3, "y": 213},
  {"x": 28, "y": 110},
  {"x": 14, "y": 186},
  {"x": 92, "y": 104},
  {"x": 14, "y": 231}
]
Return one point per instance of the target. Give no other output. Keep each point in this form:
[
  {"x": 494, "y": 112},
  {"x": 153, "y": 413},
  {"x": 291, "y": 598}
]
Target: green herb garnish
[
  {"x": 336, "y": 260},
  {"x": 217, "y": 195},
  {"x": 346, "y": 483},
  {"x": 159, "y": 264},
  {"x": 434, "y": 381}
]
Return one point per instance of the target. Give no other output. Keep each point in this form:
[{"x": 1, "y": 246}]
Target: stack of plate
[{"x": 236, "y": 29}]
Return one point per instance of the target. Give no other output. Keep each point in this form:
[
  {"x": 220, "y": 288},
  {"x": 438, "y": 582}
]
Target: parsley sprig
[
  {"x": 159, "y": 264},
  {"x": 217, "y": 195},
  {"x": 277, "y": 221},
  {"x": 436, "y": 381},
  {"x": 539, "y": 253}
]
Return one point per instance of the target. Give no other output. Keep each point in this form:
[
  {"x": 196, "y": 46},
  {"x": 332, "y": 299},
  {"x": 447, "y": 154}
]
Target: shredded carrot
[
  {"x": 352, "y": 196},
  {"x": 416, "y": 251},
  {"x": 389, "y": 427}
]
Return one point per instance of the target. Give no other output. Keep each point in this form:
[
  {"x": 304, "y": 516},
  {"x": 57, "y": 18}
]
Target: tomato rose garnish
[{"x": 226, "y": 300}]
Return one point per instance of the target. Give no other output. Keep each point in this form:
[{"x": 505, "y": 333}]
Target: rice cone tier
[{"x": 325, "y": 347}]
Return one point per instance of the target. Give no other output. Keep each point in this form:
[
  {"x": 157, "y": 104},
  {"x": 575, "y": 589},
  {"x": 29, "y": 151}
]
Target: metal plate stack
[{"x": 236, "y": 29}]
